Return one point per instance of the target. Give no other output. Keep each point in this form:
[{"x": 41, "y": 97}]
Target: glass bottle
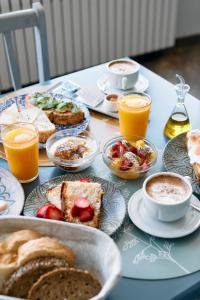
[{"x": 178, "y": 121}]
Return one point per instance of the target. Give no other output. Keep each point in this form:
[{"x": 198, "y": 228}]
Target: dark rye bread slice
[
  {"x": 65, "y": 283},
  {"x": 20, "y": 282}
]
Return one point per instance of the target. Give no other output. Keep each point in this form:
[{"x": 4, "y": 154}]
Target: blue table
[{"x": 163, "y": 100}]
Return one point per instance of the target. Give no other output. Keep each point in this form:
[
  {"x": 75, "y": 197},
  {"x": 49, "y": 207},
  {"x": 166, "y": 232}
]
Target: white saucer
[
  {"x": 105, "y": 86},
  {"x": 177, "y": 229}
]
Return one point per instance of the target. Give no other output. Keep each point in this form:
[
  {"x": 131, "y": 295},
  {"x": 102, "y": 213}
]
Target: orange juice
[
  {"x": 134, "y": 114},
  {"x": 21, "y": 149}
]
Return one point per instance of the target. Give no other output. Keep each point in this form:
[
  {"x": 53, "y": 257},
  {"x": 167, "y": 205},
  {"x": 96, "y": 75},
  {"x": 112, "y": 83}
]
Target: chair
[{"x": 33, "y": 17}]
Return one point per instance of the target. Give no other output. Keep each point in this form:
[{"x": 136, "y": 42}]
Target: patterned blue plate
[
  {"x": 74, "y": 129},
  {"x": 11, "y": 191},
  {"x": 113, "y": 205}
]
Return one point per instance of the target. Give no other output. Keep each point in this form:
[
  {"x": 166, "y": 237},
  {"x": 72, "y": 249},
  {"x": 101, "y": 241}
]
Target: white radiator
[{"x": 82, "y": 33}]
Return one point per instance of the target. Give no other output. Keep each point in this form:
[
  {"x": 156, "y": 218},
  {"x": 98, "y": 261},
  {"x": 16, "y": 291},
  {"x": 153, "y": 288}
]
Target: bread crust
[{"x": 65, "y": 283}]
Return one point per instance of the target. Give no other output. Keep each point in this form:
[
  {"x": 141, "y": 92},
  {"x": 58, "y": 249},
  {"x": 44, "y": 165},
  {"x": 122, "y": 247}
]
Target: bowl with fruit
[{"x": 129, "y": 157}]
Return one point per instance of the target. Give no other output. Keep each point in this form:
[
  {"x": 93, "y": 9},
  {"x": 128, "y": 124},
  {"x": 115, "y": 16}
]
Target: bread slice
[
  {"x": 21, "y": 281},
  {"x": 54, "y": 196},
  {"x": 67, "y": 118},
  {"x": 91, "y": 190},
  {"x": 44, "y": 247},
  {"x": 193, "y": 147},
  {"x": 44, "y": 127},
  {"x": 65, "y": 283}
]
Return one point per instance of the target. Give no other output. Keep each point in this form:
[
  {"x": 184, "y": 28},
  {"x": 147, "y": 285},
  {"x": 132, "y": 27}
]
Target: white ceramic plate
[
  {"x": 12, "y": 192},
  {"x": 105, "y": 86},
  {"x": 94, "y": 250},
  {"x": 177, "y": 229},
  {"x": 113, "y": 208}
]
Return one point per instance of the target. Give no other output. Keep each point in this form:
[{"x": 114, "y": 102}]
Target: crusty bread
[
  {"x": 44, "y": 247},
  {"x": 91, "y": 190},
  {"x": 19, "y": 283},
  {"x": 44, "y": 127},
  {"x": 193, "y": 147},
  {"x": 67, "y": 118},
  {"x": 54, "y": 196},
  {"x": 9, "y": 248},
  {"x": 18, "y": 238},
  {"x": 65, "y": 283}
]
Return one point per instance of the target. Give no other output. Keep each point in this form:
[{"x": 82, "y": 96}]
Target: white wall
[{"x": 188, "y": 18}]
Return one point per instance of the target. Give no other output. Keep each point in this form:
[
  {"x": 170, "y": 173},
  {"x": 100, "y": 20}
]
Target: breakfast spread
[
  {"x": 60, "y": 112},
  {"x": 130, "y": 157},
  {"x": 75, "y": 202},
  {"x": 41, "y": 268},
  {"x": 193, "y": 147}
]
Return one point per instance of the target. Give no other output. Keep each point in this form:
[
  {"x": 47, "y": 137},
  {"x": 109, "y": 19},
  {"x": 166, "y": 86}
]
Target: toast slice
[
  {"x": 193, "y": 147},
  {"x": 20, "y": 282},
  {"x": 65, "y": 283},
  {"x": 91, "y": 190},
  {"x": 44, "y": 127}
]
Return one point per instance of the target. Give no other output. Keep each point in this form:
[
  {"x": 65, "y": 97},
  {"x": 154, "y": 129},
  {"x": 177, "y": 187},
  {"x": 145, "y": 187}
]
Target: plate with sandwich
[
  {"x": 182, "y": 155},
  {"x": 92, "y": 201},
  {"x": 48, "y": 112}
]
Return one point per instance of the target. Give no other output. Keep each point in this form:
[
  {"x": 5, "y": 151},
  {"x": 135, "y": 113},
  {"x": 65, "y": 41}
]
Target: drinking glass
[
  {"x": 20, "y": 143},
  {"x": 134, "y": 112}
]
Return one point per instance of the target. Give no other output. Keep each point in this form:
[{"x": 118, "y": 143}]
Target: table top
[{"x": 163, "y": 100}]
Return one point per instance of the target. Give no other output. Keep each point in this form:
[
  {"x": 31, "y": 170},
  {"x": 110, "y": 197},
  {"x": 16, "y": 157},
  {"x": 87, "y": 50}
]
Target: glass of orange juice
[
  {"x": 134, "y": 112},
  {"x": 20, "y": 143}
]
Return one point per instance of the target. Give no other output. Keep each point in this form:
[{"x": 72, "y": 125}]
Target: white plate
[
  {"x": 105, "y": 86},
  {"x": 143, "y": 221},
  {"x": 12, "y": 192}
]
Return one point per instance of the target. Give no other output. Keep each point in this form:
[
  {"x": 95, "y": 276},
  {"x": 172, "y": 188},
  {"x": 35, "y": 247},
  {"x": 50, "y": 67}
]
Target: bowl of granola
[{"x": 72, "y": 153}]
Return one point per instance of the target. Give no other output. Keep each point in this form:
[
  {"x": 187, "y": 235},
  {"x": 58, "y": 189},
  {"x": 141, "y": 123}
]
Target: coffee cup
[
  {"x": 123, "y": 73},
  {"x": 167, "y": 196}
]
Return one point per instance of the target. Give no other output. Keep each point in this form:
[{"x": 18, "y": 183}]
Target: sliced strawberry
[
  {"x": 80, "y": 203},
  {"x": 87, "y": 214},
  {"x": 115, "y": 154},
  {"x": 54, "y": 213},
  {"x": 84, "y": 179},
  {"x": 145, "y": 165},
  {"x": 74, "y": 211},
  {"x": 126, "y": 165},
  {"x": 118, "y": 149},
  {"x": 133, "y": 149},
  {"x": 42, "y": 211}
]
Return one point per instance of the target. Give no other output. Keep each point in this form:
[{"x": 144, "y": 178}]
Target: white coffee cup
[
  {"x": 123, "y": 73},
  {"x": 167, "y": 212}
]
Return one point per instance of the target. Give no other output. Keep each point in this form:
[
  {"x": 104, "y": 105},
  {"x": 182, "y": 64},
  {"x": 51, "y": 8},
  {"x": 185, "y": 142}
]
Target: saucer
[
  {"x": 105, "y": 86},
  {"x": 176, "y": 229}
]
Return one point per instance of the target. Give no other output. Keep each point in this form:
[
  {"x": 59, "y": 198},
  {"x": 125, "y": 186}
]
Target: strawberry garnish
[
  {"x": 50, "y": 211},
  {"x": 86, "y": 214},
  {"x": 42, "y": 211},
  {"x": 133, "y": 149},
  {"x": 84, "y": 179},
  {"x": 118, "y": 149},
  {"x": 126, "y": 165},
  {"x": 80, "y": 204}
]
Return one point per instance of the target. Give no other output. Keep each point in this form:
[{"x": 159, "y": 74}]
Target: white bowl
[{"x": 94, "y": 250}]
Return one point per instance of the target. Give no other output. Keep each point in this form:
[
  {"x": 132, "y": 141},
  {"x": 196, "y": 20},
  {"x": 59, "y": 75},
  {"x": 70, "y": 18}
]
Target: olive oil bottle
[{"x": 178, "y": 121}]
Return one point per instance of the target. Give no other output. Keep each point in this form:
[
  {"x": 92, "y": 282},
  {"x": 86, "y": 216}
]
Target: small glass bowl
[
  {"x": 133, "y": 173},
  {"x": 72, "y": 165}
]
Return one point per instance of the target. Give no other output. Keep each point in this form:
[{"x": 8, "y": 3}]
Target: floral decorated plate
[
  {"x": 113, "y": 205},
  {"x": 74, "y": 129},
  {"x": 176, "y": 159},
  {"x": 11, "y": 191}
]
